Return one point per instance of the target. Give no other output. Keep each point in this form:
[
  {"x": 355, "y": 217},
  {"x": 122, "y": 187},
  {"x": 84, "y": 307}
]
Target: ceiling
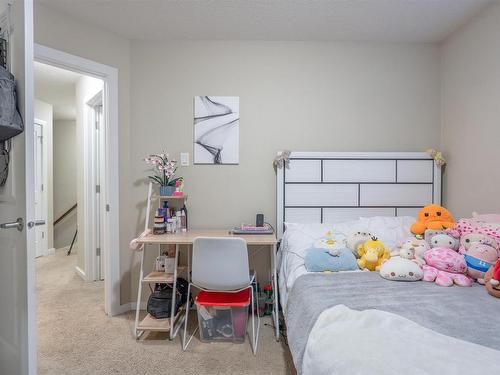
[
  {"x": 57, "y": 87},
  {"x": 288, "y": 20}
]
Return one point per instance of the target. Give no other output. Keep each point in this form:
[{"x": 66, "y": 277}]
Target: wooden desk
[{"x": 187, "y": 238}]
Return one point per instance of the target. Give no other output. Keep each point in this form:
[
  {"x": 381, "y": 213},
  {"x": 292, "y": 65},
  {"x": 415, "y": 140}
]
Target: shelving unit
[
  {"x": 150, "y": 323},
  {"x": 162, "y": 277}
]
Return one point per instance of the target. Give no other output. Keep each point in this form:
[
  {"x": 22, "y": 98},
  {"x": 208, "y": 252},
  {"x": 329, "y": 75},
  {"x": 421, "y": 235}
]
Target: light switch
[{"x": 184, "y": 159}]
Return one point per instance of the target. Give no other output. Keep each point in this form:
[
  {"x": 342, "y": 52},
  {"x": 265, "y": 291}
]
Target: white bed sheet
[{"x": 298, "y": 238}]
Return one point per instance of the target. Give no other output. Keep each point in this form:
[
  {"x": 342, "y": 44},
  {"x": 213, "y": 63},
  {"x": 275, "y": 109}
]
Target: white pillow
[{"x": 401, "y": 269}]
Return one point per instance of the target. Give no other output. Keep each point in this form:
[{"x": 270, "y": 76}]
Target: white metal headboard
[{"x": 329, "y": 187}]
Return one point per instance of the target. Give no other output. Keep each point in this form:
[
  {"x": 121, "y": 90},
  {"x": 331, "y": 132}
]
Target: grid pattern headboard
[{"x": 329, "y": 187}]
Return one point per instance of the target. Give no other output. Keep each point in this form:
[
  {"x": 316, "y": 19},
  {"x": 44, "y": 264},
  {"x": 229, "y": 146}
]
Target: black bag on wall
[{"x": 11, "y": 123}]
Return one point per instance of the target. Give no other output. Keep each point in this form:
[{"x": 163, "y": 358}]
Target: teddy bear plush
[
  {"x": 492, "y": 280},
  {"x": 372, "y": 254},
  {"x": 432, "y": 216},
  {"x": 480, "y": 257},
  {"x": 438, "y": 238}
]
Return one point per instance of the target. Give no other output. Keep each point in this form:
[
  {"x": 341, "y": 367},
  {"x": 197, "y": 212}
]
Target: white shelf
[
  {"x": 162, "y": 277},
  {"x": 150, "y": 323}
]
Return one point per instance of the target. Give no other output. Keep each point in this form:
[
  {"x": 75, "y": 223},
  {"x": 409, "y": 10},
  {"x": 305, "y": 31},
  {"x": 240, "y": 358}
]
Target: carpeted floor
[{"x": 76, "y": 337}]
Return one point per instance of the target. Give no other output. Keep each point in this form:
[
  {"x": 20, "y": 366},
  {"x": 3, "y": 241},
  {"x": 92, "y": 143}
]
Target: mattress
[{"x": 466, "y": 313}]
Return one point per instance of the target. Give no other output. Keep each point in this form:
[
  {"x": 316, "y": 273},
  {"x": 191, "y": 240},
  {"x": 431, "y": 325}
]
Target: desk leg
[
  {"x": 139, "y": 295},
  {"x": 275, "y": 292},
  {"x": 174, "y": 290}
]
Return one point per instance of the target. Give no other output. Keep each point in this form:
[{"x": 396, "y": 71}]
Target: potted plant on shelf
[{"x": 164, "y": 169}]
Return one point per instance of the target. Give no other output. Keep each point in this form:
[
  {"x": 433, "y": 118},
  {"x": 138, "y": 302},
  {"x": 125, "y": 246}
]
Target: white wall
[
  {"x": 471, "y": 115},
  {"x": 64, "y": 146},
  {"x": 44, "y": 112}
]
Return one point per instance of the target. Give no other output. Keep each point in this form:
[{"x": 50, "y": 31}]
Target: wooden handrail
[{"x": 65, "y": 214}]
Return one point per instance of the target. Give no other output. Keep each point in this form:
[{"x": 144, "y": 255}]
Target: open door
[{"x": 17, "y": 258}]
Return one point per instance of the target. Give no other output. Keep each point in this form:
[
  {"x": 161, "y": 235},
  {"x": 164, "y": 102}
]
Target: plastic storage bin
[{"x": 223, "y": 316}]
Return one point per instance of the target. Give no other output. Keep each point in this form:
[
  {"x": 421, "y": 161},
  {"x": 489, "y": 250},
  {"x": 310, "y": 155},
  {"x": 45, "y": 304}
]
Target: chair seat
[{"x": 238, "y": 299}]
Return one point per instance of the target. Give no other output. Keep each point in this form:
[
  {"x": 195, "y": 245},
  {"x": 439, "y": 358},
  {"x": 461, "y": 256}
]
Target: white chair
[{"x": 221, "y": 264}]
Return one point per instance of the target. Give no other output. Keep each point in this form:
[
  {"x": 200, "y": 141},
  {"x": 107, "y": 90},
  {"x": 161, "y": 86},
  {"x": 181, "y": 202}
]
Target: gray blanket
[{"x": 469, "y": 314}]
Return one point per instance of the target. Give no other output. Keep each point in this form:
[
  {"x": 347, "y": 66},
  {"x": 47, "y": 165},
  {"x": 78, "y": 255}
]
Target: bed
[{"x": 329, "y": 316}]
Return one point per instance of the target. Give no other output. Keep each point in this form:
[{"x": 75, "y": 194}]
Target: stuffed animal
[
  {"x": 480, "y": 257},
  {"x": 372, "y": 254},
  {"x": 492, "y": 280},
  {"x": 441, "y": 239},
  {"x": 445, "y": 267},
  {"x": 401, "y": 269},
  {"x": 330, "y": 244},
  {"x": 469, "y": 238},
  {"x": 412, "y": 249},
  {"x": 321, "y": 260},
  {"x": 356, "y": 238},
  {"x": 432, "y": 217},
  {"x": 491, "y": 229}
]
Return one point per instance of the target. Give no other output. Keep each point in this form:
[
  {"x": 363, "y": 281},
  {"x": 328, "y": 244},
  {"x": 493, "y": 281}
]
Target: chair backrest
[{"x": 220, "y": 263}]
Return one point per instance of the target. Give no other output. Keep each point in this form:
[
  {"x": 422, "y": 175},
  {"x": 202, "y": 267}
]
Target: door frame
[
  {"x": 94, "y": 219},
  {"x": 110, "y": 242},
  {"x": 45, "y": 164}
]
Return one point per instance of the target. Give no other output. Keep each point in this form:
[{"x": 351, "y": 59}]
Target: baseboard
[
  {"x": 80, "y": 273},
  {"x": 130, "y": 307},
  {"x": 51, "y": 251}
]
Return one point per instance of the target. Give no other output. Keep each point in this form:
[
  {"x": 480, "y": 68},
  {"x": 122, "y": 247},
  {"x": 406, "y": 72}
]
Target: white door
[
  {"x": 40, "y": 200},
  {"x": 17, "y": 257},
  {"x": 98, "y": 154}
]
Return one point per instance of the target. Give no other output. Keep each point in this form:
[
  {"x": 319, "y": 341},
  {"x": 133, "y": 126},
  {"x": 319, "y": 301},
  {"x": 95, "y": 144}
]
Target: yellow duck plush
[{"x": 372, "y": 254}]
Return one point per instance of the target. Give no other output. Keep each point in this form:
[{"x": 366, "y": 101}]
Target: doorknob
[
  {"x": 19, "y": 224},
  {"x": 31, "y": 224}
]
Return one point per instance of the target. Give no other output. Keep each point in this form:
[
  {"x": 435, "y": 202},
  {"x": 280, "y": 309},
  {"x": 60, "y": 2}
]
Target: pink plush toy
[
  {"x": 446, "y": 267},
  {"x": 479, "y": 258}
]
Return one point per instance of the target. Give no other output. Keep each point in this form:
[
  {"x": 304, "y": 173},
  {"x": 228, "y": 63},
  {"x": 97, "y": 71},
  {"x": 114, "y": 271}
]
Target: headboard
[{"x": 329, "y": 187}]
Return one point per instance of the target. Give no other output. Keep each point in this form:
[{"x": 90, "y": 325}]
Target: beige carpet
[{"x": 76, "y": 337}]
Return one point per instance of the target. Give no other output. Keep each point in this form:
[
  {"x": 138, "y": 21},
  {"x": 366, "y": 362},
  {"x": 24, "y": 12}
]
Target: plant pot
[{"x": 166, "y": 191}]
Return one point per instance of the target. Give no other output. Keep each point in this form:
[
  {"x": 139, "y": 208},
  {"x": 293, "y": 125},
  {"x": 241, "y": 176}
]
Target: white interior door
[
  {"x": 40, "y": 191},
  {"x": 98, "y": 143},
  {"x": 17, "y": 257}
]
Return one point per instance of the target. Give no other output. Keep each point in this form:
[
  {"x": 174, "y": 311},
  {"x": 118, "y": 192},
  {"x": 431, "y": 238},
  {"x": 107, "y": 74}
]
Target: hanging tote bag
[{"x": 11, "y": 123}]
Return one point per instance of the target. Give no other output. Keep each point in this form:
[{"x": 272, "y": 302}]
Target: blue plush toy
[{"x": 321, "y": 260}]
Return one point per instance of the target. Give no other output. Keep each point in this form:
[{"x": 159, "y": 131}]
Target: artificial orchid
[{"x": 164, "y": 167}]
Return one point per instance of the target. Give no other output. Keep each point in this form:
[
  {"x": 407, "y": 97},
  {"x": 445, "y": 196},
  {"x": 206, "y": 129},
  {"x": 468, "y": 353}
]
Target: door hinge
[
  {"x": 98, "y": 251},
  {"x": 97, "y": 124},
  {"x": 98, "y": 188},
  {"x": 107, "y": 208},
  {"x": 42, "y": 187},
  {"x": 43, "y": 235}
]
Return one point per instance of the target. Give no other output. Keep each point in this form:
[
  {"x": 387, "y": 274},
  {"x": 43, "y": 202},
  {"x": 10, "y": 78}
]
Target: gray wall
[
  {"x": 64, "y": 33},
  {"x": 297, "y": 96},
  {"x": 471, "y": 115},
  {"x": 64, "y": 146}
]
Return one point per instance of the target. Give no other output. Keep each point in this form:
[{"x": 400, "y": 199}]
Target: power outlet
[{"x": 184, "y": 159}]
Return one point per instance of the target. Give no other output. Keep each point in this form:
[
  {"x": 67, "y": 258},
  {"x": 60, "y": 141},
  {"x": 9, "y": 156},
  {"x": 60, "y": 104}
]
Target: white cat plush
[{"x": 356, "y": 238}]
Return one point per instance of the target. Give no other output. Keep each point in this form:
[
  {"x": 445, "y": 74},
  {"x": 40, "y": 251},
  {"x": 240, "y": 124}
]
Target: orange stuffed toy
[{"x": 432, "y": 217}]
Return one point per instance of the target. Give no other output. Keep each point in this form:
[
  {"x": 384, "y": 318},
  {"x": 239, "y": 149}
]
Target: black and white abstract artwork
[{"x": 216, "y": 129}]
